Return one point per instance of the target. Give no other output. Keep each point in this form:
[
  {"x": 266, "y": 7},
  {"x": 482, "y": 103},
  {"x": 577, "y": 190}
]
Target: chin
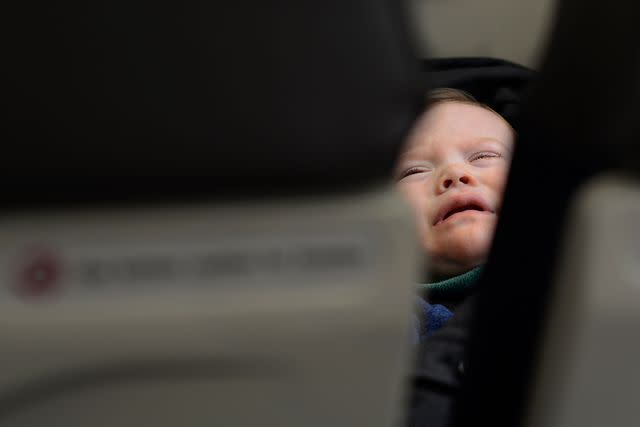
[{"x": 462, "y": 248}]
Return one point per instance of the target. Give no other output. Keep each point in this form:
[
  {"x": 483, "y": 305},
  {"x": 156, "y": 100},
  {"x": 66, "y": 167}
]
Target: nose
[{"x": 454, "y": 176}]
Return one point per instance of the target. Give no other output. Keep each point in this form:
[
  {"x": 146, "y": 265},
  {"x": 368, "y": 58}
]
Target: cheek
[
  {"x": 496, "y": 179},
  {"x": 417, "y": 199}
]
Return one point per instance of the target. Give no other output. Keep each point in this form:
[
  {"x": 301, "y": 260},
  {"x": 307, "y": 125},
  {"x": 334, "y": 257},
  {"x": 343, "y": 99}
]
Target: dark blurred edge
[
  {"x": 119, "y": 102},
  {"x": 580, "y": 120}
]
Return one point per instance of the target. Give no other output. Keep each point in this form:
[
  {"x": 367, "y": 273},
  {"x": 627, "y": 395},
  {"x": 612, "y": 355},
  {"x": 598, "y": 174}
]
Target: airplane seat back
[
  {"x": 589, "y": 344},
  {"x": 288, "y": 312},
  {"x": 205, "y": 231}
]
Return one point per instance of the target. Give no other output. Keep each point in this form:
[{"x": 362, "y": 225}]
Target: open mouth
[
  {"x": 461, "y": 205},
  {"x": 471, "y": 207}
]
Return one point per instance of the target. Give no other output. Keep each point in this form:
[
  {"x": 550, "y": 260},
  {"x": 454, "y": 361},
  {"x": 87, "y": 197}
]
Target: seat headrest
[{"x": 500, "y": 84}]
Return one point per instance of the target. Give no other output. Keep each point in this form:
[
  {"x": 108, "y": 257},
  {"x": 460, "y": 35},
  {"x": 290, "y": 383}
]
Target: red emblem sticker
[{"x": 40, "y": 274}]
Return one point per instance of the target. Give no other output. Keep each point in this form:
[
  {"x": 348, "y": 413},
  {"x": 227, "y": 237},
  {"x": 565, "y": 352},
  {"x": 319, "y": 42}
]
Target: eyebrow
[
  {"x": 492, "y": 139},
  {"x": 506, "y": 145}
]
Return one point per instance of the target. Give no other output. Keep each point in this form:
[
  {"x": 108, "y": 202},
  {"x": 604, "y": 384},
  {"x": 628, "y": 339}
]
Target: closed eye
[
  {"x": 484, "y": 155},
  {"x": 412, "y": 171}
]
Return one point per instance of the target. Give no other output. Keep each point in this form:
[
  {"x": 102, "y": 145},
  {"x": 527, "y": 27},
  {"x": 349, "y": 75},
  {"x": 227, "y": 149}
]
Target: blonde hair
[{"x": 447, "y": 94}]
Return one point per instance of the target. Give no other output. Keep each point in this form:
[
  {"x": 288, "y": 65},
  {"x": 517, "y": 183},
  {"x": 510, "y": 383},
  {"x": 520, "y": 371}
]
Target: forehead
[{"x": 450, "y": 124}]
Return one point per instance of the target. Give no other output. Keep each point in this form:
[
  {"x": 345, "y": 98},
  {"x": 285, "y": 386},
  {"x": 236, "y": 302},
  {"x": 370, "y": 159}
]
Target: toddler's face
[{"x": 453, "y": 171}]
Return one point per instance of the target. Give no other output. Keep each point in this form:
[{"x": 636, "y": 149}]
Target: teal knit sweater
[{"x": 453, "y": 286}]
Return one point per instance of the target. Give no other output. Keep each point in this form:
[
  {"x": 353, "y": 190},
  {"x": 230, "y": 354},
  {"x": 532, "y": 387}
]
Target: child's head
[{"x": 452, "y": 171}]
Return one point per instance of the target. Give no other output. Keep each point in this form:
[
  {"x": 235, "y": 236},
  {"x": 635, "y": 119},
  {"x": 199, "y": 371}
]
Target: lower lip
[{"x": 464, "y": 214}]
